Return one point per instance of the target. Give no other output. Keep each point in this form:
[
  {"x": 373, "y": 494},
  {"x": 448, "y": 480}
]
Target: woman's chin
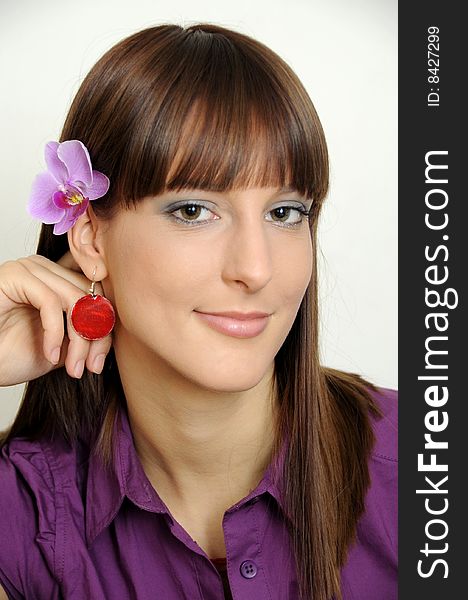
[{"x": 225, "y": 382}]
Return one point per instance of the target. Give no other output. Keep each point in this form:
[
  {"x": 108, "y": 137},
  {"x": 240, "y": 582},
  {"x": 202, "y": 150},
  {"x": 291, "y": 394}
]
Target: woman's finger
[
  {"x": 98, "y": 348},
  {"x": 68, "y": 261},
  {"x": 50, "y": 305},
  {"x": 98, "y": 353},
  {"x": 78, "y": 352},
  {"x": 77, "y": 277}
]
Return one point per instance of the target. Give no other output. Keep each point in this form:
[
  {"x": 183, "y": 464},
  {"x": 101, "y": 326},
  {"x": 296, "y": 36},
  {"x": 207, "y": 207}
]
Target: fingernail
[
  {"x": 55, "y": 355},
  {"x": 98, "y": 364},
  {"x": 79, "y": 368}
]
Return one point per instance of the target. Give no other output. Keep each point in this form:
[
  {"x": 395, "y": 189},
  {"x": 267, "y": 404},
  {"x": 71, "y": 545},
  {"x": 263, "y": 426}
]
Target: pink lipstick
[{"x": 236, "y": 324}]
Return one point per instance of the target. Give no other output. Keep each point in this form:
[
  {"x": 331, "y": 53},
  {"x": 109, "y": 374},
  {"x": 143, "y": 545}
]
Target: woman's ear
[{"x": 86, "y": 245}]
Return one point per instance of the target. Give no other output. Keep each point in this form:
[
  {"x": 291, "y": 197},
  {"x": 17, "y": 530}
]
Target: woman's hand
[{"x": 34, "y": 293}]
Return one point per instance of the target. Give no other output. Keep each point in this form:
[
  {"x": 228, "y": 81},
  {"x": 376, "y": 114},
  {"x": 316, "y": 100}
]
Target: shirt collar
[{"x": 106, "y": 488}]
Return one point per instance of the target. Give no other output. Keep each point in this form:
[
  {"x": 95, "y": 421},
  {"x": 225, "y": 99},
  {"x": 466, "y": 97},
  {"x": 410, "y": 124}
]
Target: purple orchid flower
[{"x": 62, "y": 193}]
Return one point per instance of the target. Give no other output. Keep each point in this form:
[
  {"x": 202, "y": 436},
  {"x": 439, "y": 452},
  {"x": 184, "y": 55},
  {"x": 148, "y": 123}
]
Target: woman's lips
[{"x": 240, "y": 328}]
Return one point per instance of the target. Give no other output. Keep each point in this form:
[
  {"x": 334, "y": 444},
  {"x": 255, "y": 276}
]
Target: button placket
[{"x": 243, "y": 537}]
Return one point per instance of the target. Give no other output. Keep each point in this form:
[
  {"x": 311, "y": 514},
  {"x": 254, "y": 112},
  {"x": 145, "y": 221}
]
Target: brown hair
[{"x": 210, "y": 108}]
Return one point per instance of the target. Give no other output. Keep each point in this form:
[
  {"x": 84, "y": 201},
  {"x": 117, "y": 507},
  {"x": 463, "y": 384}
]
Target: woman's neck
[{"x": 196, "y": 446}]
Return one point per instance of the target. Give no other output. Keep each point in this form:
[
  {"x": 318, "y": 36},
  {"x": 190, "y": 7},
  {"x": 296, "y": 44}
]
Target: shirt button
[{"x": 248, "y": 569}]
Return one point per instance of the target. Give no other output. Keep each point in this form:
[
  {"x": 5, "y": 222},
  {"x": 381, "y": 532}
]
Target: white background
[{"x": 344, "y": 52}]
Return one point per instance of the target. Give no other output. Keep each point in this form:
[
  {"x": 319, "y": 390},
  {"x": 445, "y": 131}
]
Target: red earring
[{"x": 92, "y": 316}]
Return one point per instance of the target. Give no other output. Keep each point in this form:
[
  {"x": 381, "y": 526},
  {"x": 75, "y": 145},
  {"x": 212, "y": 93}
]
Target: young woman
[{"x": 198, "y": 449}]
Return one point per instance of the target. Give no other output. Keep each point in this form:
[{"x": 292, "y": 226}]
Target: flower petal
[
  {"x": 63, "y": 225},
  {"x": 60, "y": 200},
  {"x": 76, "y": 158},
  {"x": 79, "y": 209},
  {"x": 66, "y": 223},
  {"x": 40, "y": 204},
  {"x": 54, "y": 164},
  {"x": 70, "y": 217},
  {"x": 99, "y": 186}
]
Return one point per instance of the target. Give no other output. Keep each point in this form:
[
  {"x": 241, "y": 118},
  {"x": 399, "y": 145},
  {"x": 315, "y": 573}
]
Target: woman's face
[{"x": 246, "y": 250}]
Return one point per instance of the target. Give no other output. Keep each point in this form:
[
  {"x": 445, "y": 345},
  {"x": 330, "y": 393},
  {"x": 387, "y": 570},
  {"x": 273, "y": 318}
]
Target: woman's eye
[
  {"x": 298, "y": 214},
  {"x": 189, "y": 213}
]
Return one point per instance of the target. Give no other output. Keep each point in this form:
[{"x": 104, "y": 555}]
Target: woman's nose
[{"x": 248, "y": 256}]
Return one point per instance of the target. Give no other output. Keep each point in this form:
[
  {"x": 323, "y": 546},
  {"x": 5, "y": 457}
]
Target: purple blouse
[{"x": 69, "y": 529}]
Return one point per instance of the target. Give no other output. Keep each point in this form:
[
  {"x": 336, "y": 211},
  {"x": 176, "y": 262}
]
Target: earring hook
[{"x": 91, "y": 289}]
